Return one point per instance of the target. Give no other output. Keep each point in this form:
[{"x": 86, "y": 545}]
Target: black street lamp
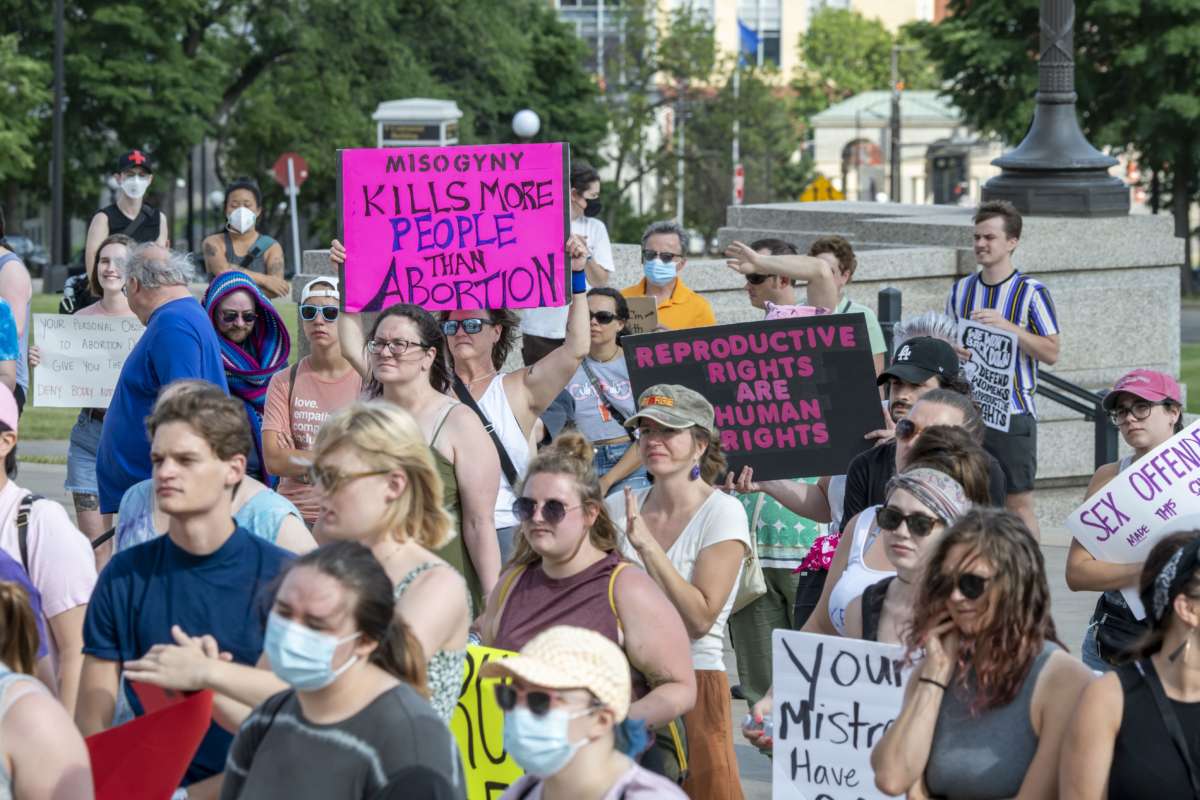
[{"x": 1055, "y": 171}]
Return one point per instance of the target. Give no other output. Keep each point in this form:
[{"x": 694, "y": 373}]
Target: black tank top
[
  {"x": 1144, "y": 748},
  {"x": 872, "y": 608},
  {"x": 119, "y": 223}
]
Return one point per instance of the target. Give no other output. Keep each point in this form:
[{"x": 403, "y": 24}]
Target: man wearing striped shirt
[{"x": 1000, "y": 296}]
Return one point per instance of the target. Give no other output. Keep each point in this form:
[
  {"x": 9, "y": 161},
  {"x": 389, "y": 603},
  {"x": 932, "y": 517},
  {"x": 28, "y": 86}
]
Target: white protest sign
[
  {"x": 834, "y": 699},
  {"x": 1124, "y": 519},
  {"x": 991, "y": 370},
  {"x": 81, "y": 358},
  {"x": 643, "y": 315}
]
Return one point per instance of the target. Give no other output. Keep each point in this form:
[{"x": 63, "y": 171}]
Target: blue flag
[{"x": 749, "y": 44}]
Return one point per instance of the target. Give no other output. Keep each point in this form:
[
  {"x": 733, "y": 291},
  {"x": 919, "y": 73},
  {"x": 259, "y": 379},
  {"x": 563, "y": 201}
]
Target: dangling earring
[
  {"x": 1183, "y": 649},
  {"x": 695, "y": 473}
]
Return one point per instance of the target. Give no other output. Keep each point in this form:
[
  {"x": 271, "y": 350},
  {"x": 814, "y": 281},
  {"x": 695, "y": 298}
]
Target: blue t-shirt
[
  {"x": 179, "y": 342},
  {"x": 10, "y": 343},
  {"x": 145, "y": 590}
]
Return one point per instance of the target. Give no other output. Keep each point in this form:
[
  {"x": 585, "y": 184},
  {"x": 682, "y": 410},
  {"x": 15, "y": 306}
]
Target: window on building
[{"x": 763, "y": 17}]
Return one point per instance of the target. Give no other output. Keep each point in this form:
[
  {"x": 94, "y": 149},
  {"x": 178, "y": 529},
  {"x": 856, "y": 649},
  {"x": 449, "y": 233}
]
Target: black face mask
[{"x": 593, "y": 207}]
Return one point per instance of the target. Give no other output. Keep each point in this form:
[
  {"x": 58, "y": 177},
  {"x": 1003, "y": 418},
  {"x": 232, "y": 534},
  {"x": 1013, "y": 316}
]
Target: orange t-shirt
[{"x": 312, "y": 402}]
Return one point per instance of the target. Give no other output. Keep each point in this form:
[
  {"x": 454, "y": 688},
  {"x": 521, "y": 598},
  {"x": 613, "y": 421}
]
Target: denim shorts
[
  {"x": 607, "y": 456},
  {"x": 81, "y": 455}
]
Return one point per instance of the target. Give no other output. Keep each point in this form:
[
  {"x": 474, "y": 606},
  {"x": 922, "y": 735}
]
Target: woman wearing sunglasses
[
  {"x": 303, "y": 397},
  {"x": 254, "y": 346},
  {"x": 987, "y": 703},
  {"x": 1146, "y": 407},
  {"x": 568, "y": 571},
  {"x": 567, "y": 720},
  {"x": 692, "y": 539},
  {"x": 1134, "y": 731},
  {"x": 353, "y": 722},
  {"x": 602, "y": 397}
]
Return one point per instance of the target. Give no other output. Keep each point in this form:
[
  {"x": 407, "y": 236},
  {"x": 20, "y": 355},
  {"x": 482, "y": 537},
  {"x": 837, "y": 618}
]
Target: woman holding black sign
[{"x": 1146, "y": 407}]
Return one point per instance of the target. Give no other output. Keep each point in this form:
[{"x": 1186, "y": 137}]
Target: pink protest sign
[{"x": 454, "y": 227}]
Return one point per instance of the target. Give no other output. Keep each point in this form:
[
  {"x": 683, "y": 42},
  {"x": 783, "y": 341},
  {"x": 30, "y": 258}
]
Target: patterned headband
[
  {"x": 1173, "y": 577},
  {"x": 935, "y": 490}
]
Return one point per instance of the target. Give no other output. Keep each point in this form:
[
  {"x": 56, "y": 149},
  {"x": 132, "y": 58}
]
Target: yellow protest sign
[
  {"x": 478, "y": 727},
  {"x": 820, "y": 189}
]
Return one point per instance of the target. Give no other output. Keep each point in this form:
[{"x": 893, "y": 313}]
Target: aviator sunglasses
[
  {"x": 553, "y": 511},
  {"x": 309, "y": 312},
  {"x": 919, "y": 525},
  {"x": 231, "y": 316}
]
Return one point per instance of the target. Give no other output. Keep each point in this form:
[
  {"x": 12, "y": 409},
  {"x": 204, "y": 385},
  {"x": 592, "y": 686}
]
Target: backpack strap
[
  {"x": 1170, "y": 720},
  {"x": 136, "y": 223},
  {"x": 506, "y": 463},
  {"x": 505, "y": 588},
  {"x": 24, "y": 509},
  {"x": 291, "y": 392}
]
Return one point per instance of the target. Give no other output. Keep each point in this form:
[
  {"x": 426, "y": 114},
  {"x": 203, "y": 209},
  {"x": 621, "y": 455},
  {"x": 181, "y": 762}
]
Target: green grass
[
  {"x": 56, "y": 423},
  {"x": 1189, "y": 375}
]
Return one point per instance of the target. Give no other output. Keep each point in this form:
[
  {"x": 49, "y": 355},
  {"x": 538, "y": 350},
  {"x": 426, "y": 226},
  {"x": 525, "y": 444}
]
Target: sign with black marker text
[
  {"x": 81, "y": 358},
  {"x": 991, "y": 370}
]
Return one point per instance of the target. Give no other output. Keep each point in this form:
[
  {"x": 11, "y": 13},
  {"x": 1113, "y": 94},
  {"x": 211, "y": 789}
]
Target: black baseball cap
[
  {"x": 132, "y": 159},
  {"x": 921, "y": 358}
]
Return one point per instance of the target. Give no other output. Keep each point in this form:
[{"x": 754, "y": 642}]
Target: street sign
[
  {"x": 280, "y": 169},
  {"x": 820, "y": 189},
  {"x": 739, "y": 184}
]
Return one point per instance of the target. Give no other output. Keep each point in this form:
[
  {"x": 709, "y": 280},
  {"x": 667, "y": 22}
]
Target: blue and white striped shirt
[{"x": 1026, "y": 303}]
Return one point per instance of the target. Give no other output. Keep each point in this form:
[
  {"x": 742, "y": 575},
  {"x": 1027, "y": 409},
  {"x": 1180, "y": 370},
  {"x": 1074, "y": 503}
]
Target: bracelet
[
  {"x": 579, "y": 282},
  {"x": 941, "y": 686}
]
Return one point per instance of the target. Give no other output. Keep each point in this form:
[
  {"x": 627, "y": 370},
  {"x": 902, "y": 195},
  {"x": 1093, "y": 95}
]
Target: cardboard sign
[
  {"x": 834, "y": 699},
  {"x": 793, "y": 397},
  {"x": 991, "y": 370},
  {"x": 1123, "y": 521},
  {"x": 643, "y": 315},
  {"x": 478, "y": 727},
  {"x": 82, "y": 358},
  {"x": 454, "y": 227}
]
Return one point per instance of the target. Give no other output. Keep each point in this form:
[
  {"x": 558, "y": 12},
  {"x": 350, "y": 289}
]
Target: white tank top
[
  {"x": 858, "y": 576},
  {"x": 496, "y": 408}
]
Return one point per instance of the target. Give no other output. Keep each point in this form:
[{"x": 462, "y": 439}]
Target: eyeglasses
[
  {"x": 538, "y": 702},
  {"x": 553, "y": 511},
  {"x": 471, "y": 326},
  {"x": 331, "y": 479},
  {"x": 1139, "y": 411},
  {"x": 230, "y": 317},
  {"x": 919, "y": 525},
  {"x": 970, "y": 585},
  {"x": 757, "y": 280},
  {"x": 397, "y": 347},
  {"x": 603, "y": 317},
  {"x": 666, "y": 258},
  {"x": 906, "y": 429},
  {"x": 309, "y": 312}
]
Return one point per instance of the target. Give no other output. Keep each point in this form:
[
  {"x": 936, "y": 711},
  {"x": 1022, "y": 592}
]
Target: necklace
[{"x": 482, "y": 378}]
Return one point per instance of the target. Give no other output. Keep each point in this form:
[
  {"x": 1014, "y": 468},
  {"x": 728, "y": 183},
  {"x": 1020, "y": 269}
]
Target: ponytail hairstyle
[
  {"x": 374, "y": 607},
  {"x": 1171, "y": 569},
  {"x": 952, "y": 451},
  {"x": 430, "y": 331},
  {"x": 18, "y": 628},
  {"x": 571, "y": 454}
]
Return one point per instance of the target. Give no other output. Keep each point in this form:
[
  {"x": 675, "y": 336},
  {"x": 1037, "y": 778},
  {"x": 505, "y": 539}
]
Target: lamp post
[
  {"x": 526, "y": 124},
  {"x": 1055, "y": 170}
]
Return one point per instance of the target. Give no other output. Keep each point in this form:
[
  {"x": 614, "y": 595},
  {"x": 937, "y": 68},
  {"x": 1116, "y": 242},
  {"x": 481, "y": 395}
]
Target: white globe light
[
  {"x": 526, "y": 123},
  {"x": 216, "y": 198}
]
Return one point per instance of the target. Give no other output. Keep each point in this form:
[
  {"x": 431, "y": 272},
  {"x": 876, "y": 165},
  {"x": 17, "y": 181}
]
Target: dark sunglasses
[
  {"x": 906, "y": 429},
  {"x": 919, "y": 525},
  {"x": 971, "y": 586},
  {"x": 538, "y": 702},
  {"x": 309, "y": 312},
  {"x": 757, "y": 280},
  {"x": 471, "y": 326},
  {"x": 553, "y": 511},
  {"x": 230, "y": 317},
  {"x": 666, "y": 258},
  {"x": 603, "y": 317}
]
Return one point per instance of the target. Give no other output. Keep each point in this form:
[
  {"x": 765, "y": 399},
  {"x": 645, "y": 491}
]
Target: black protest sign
[{"x": 793, "y": 397}]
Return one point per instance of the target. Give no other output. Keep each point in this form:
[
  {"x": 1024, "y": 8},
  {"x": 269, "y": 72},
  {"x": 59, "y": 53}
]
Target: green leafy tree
[{"x": 24, "y": 82}]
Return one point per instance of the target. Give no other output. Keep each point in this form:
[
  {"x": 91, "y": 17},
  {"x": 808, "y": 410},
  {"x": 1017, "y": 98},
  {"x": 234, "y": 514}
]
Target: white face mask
[
  {"x": 135, "y": 185},
  {"x": 241, "y": 219}
]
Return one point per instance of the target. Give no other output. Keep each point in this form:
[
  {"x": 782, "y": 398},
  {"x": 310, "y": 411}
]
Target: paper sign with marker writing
[
  {"x": 643, "y": 315},
  {"x": 478, "y": 727},
  {"x": 834, "y": 699},
  {"x": 81, "y": 358},
  {"x": 1124, "y": 519},
  {"x": 991, "y": 370},
  {"x": 791, "y": 397},
  {"x": 449, "y": 228}
]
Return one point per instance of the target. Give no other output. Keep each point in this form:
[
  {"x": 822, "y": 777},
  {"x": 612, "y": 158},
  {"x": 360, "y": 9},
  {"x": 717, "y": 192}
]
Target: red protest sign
[{"x": 280, "y": 169}]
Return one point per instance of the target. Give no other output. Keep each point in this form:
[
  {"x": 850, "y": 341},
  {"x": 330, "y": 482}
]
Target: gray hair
[
  {"x": 667, "y": 226},
  {"x": 931, "y": 323},
  {"x": 151, "y": 270}
]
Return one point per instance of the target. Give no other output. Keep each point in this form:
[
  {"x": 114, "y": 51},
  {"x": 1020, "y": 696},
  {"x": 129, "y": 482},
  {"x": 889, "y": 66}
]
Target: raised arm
[
  {"x": 97, "y": 233},
  {"x": 816, "y": 273},
  {"x": 352, "y": 341},
  {"x": 657, "y": 645},
  {"x": 808, "y": 500}
]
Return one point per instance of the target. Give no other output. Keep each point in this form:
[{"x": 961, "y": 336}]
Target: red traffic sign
[{"x": 281, "y": 169}]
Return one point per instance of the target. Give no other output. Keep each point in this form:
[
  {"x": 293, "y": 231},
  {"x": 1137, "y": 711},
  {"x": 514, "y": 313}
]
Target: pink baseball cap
[
  {"x": 1146, "y": 384},
  {"x": 8, "y": 408}
]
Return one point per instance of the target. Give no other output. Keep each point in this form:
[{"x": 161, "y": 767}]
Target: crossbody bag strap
[
  {"x": 136, "y": 223},
  {"x": 599, "y": 390},
  {"x": 506, "y": 463},
  {"x": 1169, "y": 718},
  {"x": 291, "y": 393},
  {"x": 24, "y": 509}
]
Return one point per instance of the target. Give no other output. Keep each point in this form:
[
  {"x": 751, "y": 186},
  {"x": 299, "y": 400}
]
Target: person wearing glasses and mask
[
  {"x": 544, "y": 329},
  {"x": 128, "y": 214},
  {"x": 301, "y": 398},
  {"x": 241, "y": 247},
  {"x": 566, "y": 720},
  {"x": 990, "y": 697},
  {"x": 664, "y": 255},
  {"x": 1146, "y": 407}
]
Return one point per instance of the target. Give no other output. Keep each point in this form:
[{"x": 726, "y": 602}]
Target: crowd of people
[{"x": 319, "y": 542}]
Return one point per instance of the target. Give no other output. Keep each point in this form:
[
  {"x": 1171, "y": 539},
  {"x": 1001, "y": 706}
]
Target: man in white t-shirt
[{"x": 543, "y": 329}]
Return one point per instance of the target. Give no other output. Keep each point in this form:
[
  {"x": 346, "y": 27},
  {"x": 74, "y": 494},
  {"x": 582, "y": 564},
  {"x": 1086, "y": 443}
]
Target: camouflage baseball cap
[{"x": 675, "y": 407}]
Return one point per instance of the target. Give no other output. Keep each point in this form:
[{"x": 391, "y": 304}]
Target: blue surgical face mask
[
  {"x": 302, "y": 657},
  {"x": 540, "y": 745},
  {"x": 659, "y": 272}
]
